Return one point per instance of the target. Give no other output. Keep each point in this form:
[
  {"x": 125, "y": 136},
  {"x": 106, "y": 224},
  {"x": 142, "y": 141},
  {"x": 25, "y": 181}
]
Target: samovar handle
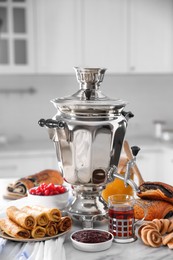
[
  {"x": 50, "y": 123},
  {"x": 58, "y": 130},
  {"x": 127, "y": 115}
]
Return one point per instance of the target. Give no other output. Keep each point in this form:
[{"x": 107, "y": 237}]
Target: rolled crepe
[
  {"x": 13, "y": 230},
  {"x": 54, "y": 214},
  {"x": 41, "y": 218},
  {"x": 38, "y": 232},
  {"x": 64, "y": 224},
  {"x": 51, "y": 229},
  {"x": 24, "y": 219}
]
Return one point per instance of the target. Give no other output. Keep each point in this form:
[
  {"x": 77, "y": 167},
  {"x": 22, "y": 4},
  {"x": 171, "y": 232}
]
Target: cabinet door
[
  {"x": 151, "y": 164},
  {"x": 123, "y": 36},
  {"x": 58, "y": 42},
  {"x": 16, "y": 39},
  {"x": 168, "y": 166},
  {"x": 150, "y": 32},
  {"x": 23, "y": 164},
  {"x": 104, "y": 34}
]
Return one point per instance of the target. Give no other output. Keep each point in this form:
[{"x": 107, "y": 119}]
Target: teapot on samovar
[{"x": 88, "y": 132}]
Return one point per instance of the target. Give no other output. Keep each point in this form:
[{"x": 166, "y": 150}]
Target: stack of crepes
[{"x": 34, "y": 222}]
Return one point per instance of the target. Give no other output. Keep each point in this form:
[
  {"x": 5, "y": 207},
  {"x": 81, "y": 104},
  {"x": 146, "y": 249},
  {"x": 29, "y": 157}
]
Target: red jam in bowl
[{"x": 91, "y": 236}]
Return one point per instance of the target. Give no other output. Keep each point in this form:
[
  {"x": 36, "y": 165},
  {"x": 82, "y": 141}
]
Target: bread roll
[
  {"x": 156, "y": 209},
  {"x": 20, "y": 187},
  {"x": 156, "y": 191}
]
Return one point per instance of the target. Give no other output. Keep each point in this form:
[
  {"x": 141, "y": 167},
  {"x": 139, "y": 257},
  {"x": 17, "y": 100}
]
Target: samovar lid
[{"x": 89, "y": 100}]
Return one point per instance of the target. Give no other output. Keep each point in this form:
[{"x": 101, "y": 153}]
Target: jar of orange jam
[{"x": 118, "y": 186}]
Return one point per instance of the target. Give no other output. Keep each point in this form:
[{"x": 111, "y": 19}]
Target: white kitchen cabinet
[
  {"x": 23, "y": 164},
  {"x": 58, "y": 35},
  {"x": 129, "y": 36},
  {"x": 132, "y": 36},
  {"x": 168, "y": 166},
  {"x": 156, "y": 163},
  {"x": 150, "y": 162},
  {"x": 105, "y": 34},
  {"x": 16, "y": 36},
  {"x": 84, "y": 33},
  {"x": 150, "y": 37}
]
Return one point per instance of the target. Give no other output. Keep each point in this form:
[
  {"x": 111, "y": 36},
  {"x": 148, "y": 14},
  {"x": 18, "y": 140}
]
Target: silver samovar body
[{"x": 88, "y": 132}]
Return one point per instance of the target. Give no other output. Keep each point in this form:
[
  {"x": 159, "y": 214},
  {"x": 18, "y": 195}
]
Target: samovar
[{"x": 88, "y": 131}]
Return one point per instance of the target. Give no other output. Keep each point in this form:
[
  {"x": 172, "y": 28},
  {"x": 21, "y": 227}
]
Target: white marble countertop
[{"x": 132, "y": 251}]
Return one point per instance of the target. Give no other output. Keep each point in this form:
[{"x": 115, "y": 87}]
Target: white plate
[{"x": 5, "y": 236}]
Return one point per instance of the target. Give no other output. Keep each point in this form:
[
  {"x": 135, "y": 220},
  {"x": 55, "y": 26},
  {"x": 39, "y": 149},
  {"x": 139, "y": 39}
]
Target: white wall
[{"x": 149, "y": 96}]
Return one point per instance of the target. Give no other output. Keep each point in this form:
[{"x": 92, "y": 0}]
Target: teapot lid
[{"x": 89, "y": 99}]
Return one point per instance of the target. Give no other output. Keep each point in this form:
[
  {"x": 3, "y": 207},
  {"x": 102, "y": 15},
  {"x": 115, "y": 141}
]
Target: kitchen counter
[
  {"x": 132, "y": 251},
  {"x": 144, "y": 141},
  {"x": 22, "y": 158},
  {"x": 26, "y": 146},
  {"x": 19, "y": 145}
]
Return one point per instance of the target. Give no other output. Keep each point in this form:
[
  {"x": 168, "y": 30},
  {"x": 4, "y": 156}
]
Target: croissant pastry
[
  {"x": 20, "y": 187},
  {"x": 156, "y": 191},
  {"x": 155, "y": 209}
]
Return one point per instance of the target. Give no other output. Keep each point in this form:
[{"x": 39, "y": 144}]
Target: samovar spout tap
[{"x": 126, "y": 177}]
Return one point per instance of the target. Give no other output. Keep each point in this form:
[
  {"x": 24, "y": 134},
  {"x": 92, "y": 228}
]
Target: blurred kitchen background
[{"x": 40, "y": 43}]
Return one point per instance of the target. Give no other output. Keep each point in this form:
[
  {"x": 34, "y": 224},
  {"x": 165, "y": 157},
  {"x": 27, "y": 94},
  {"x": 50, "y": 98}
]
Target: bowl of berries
[{"x": 49, "y": 195}]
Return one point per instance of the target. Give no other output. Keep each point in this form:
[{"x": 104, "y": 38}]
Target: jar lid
[{"x": 89, "y": 100}]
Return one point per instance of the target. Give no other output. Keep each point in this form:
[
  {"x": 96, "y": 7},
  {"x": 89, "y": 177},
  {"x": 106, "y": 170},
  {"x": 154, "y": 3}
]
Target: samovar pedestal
[{"x": 88, "y": 205}]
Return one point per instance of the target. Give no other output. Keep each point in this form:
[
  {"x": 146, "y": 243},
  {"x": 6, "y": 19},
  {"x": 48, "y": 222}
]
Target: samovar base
[{"x": 88, "y": 206}]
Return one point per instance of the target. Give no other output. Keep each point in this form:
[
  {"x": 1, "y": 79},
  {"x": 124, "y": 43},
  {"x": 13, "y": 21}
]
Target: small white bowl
[
  {"x": 59, "y": 201},
  {"x": 92, "y": 246}
]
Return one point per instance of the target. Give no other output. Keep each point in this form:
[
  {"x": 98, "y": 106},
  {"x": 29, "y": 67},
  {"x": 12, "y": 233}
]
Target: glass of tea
[{"x": 121, "y": 217}]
